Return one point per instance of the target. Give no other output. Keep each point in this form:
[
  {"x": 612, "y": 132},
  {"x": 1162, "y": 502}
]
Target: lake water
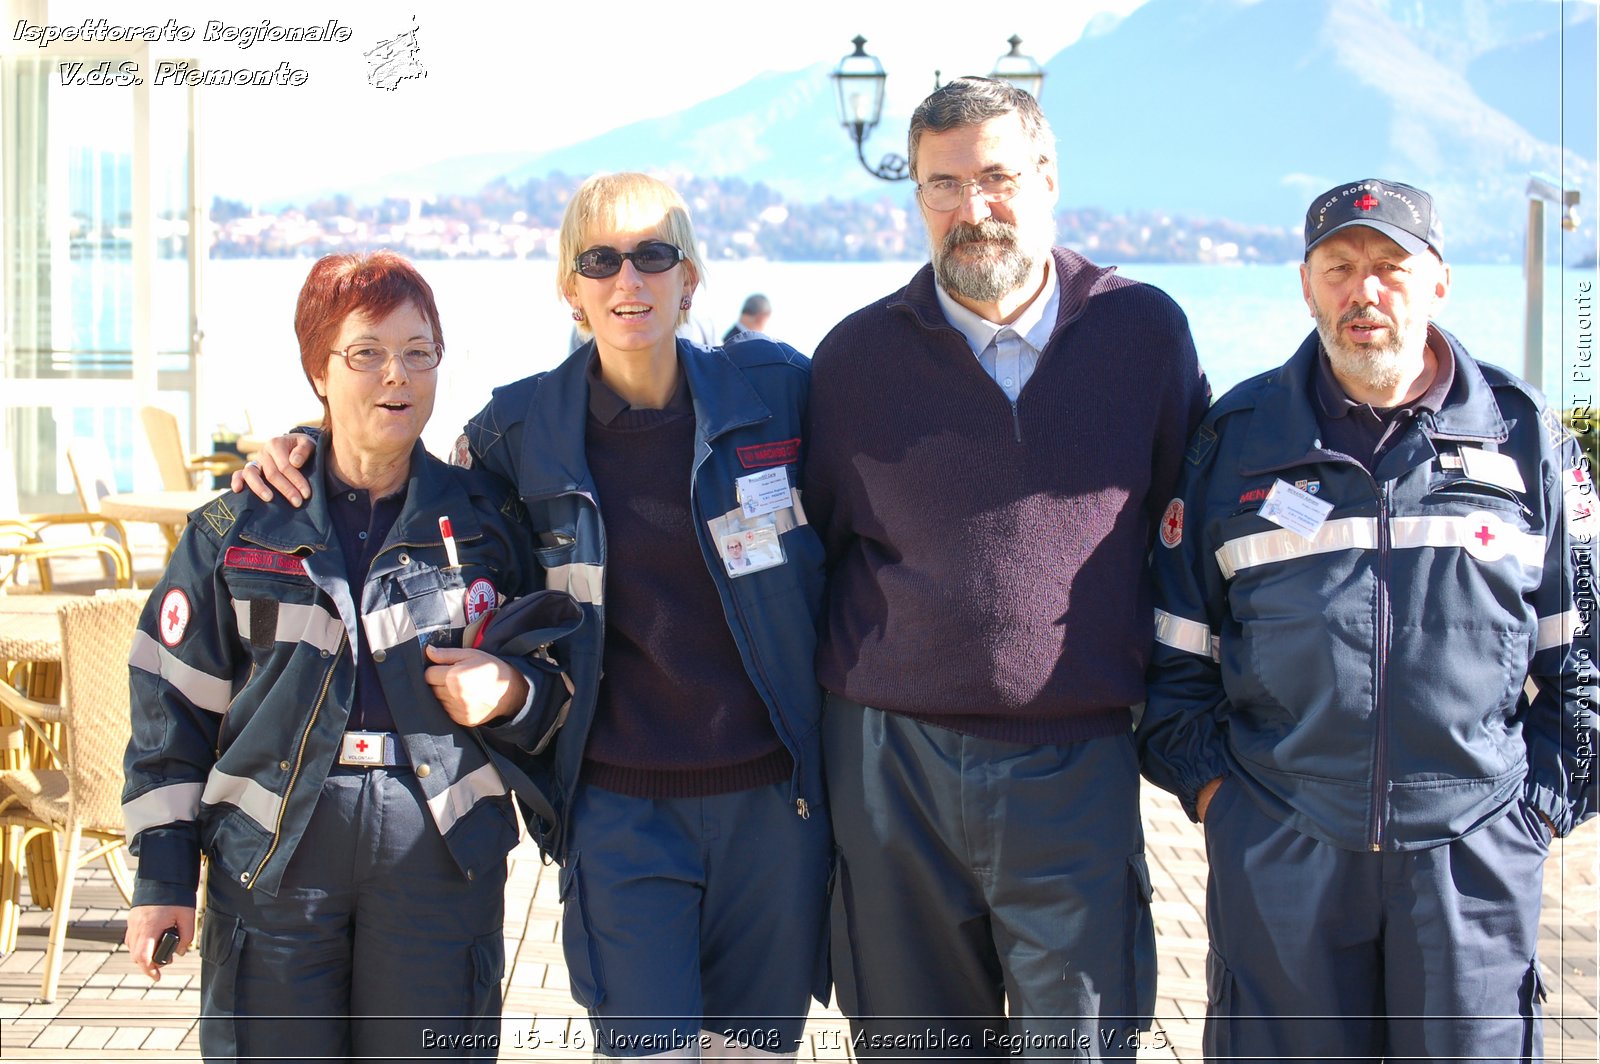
[{"x": 502, "y": 320}]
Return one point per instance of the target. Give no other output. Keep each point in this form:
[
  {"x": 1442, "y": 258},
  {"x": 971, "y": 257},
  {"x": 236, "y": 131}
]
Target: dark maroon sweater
[
  {"x": 676, "y": 714},
  {"x": 987, "y": 562}
]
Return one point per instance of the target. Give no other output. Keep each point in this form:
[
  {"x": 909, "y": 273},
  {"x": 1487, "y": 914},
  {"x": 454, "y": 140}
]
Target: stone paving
[{"x": 106, "y": 1012}]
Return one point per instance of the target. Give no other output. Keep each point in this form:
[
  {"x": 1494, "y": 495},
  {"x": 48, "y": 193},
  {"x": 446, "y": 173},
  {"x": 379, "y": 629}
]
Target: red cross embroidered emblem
[
  {"x": 1366, "y": 202},
  {"x": 172, "y": 619},
  {"x": 1172, "y": 524},
  {"x": 1483, "y": 535}
]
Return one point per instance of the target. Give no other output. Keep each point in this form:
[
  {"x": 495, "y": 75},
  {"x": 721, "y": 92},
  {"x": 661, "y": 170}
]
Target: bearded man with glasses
[{"x": 991, "y": 449}]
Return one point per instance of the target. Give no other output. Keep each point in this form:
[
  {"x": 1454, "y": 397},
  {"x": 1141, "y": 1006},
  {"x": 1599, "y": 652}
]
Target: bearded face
[{"x": 984, "y": 261}]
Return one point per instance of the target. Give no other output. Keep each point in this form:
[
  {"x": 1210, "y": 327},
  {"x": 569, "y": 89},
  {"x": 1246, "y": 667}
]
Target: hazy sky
[{"x": 504, "y": 77}]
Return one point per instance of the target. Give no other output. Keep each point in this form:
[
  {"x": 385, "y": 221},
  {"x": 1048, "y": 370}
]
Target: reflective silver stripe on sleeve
[
  {"x": 1278, "y": 545},
  {"x": 208, "y": 692},
  {"x": 163, "y": 805},
  {"x": 456, "y": 800},
  {"x": 245, "y": 795},
  {"x": 1558, "y": 631},
  {"x": 1413, "y": 532},
  {"x": 297, "y": 623},
  {"x": 581, "y": 580},
  {"x": 1180, "y": 634}
]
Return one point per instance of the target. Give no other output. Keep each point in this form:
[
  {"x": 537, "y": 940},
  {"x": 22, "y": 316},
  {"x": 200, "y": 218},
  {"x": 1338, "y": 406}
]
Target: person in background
[
  {"x": 689, "y": 814},
  {"x": 978, "y": 722},
  {"x": 1373, "y": 684},
  {"x": 752, "y": 317},
  {"x": 308, "y": 712}
]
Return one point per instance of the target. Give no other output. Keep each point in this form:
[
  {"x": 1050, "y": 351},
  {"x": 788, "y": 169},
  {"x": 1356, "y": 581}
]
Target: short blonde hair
[{"x": 624, "y": 201}]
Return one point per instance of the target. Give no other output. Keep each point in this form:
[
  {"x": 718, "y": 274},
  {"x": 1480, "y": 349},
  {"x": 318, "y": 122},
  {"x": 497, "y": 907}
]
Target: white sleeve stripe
[
  {"x": 1558, "y": 631},
  {"x": 393, "y": 625},
  {"x": 1361, "y": 533},
  {"x": 210, "y": 693},
  {"x": 1181, "y": 634},
  {"x": 581, "y": 580},
  {"x": 245, "y": 795},
  {"x": 163, "y": 805},
  {"x": 457, "y": 800}
]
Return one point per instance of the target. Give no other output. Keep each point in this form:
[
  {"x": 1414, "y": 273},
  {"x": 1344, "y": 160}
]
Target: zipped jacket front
[
  {"x": 243, "y": 676},
  {"x": 1398, "y": 676}
]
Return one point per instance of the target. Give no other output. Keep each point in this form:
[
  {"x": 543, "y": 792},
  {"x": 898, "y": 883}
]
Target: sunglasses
[{"x": 652, "y": 256}]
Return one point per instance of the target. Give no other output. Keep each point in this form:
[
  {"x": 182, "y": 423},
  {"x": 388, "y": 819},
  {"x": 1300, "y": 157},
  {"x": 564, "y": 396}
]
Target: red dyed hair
[{"x": 373, "y": 284}]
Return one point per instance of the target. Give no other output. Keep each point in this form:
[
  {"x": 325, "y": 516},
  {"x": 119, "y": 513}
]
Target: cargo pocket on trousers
[
  {"x": 1217, "y": 1041},
  {"x": 221, "y": 949},
  {"x": 1532, "y": 996},
  {"x": 488, "y": 969},
  {"x": 1141, "y": 945},
  {"x": 583, "y": 967}
]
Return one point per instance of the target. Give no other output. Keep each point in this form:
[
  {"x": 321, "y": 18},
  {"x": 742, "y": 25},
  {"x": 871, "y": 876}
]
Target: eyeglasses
[
  {"x": 946, "y": 194},
  {"x": 366, "y": 358},
  {"x": 652, "y": 256}
]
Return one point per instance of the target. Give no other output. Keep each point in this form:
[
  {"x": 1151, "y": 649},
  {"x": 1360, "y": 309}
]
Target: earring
[
  {"x": 683, "y": 304},
  {"x": 577, "y": 315}
]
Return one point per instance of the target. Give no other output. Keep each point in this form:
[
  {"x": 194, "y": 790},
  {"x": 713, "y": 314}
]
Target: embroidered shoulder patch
[
  {"x": 782, "y": 452},
  {"x": 262, "y": 560},
  {"x": 1200, "y": 446},
  {"x": 481, "y": 598},
  {"x": 1172, "y": 524},
  {"x": 174, "y": 616},
  {"x": 219, "y": 515}
]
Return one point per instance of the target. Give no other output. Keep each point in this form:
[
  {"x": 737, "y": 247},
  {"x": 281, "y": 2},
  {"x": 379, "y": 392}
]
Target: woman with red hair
[{"x": 309, "y": 713}]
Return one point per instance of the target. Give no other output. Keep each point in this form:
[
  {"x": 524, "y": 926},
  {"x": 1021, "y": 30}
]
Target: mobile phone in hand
[{"x": 165, "y": 946}]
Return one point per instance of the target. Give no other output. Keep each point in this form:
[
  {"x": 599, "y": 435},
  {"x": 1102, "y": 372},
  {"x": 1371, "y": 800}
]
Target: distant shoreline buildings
[{"x": 734, "y": 218}]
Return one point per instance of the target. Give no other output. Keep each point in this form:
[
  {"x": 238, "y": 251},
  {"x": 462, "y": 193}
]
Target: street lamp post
[
  {"x": 859, "y": 79},
  {"x": 1541, "y": 190}
]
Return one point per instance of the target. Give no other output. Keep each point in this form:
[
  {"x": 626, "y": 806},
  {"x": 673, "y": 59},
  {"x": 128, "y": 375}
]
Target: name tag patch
[
  {"x": 1295, "y": 509},
  {"x": 264, "y": 561},
  {"x": 763, "y": 492},
  {"x": 782, "y": 452},
  {"x": 1492, "y": 468}
]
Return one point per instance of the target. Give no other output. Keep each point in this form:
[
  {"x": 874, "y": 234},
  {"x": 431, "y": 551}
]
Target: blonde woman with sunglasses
[{"x": 661, "y": 483}]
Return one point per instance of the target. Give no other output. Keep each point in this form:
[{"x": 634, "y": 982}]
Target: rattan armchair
[
  {"x": 23, "y": 544},
  {"x": 82, "y": 800}
]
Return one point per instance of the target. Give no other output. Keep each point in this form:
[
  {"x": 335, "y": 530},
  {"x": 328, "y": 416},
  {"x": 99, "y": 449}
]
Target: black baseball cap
[{"x": 1400, "y": 212}]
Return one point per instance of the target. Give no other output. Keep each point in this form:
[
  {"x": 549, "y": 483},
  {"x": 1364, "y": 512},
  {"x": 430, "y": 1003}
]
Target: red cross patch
[
  {"x": 173, "y": 619},
  {"x": 1366, "y": 202},
  {"x": 481, "y": 598},
  {"x": 1172, "y": 524},
  {"x": 1485, "y": 536}
]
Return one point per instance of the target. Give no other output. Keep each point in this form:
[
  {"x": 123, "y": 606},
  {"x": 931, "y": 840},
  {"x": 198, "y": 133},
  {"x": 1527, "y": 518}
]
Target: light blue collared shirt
[{"x": 1008, "y": 353}]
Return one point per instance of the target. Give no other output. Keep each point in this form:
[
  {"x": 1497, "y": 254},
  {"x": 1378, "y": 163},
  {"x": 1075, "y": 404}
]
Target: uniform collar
[
  {"x": 1284, "y": 430},
  {"x": 431, "y": 490},
  {"x": 553, "y": 428}
]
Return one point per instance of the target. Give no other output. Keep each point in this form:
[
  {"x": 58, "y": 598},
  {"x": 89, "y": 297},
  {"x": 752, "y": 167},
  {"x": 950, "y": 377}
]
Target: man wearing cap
[{"x": 1372, "y": 681}]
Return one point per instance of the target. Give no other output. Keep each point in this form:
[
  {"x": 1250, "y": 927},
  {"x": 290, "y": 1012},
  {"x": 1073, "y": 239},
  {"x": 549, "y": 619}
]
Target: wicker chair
[
  {"x": 23, "y": 544},
  {"x": 84, "y": 798}
]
